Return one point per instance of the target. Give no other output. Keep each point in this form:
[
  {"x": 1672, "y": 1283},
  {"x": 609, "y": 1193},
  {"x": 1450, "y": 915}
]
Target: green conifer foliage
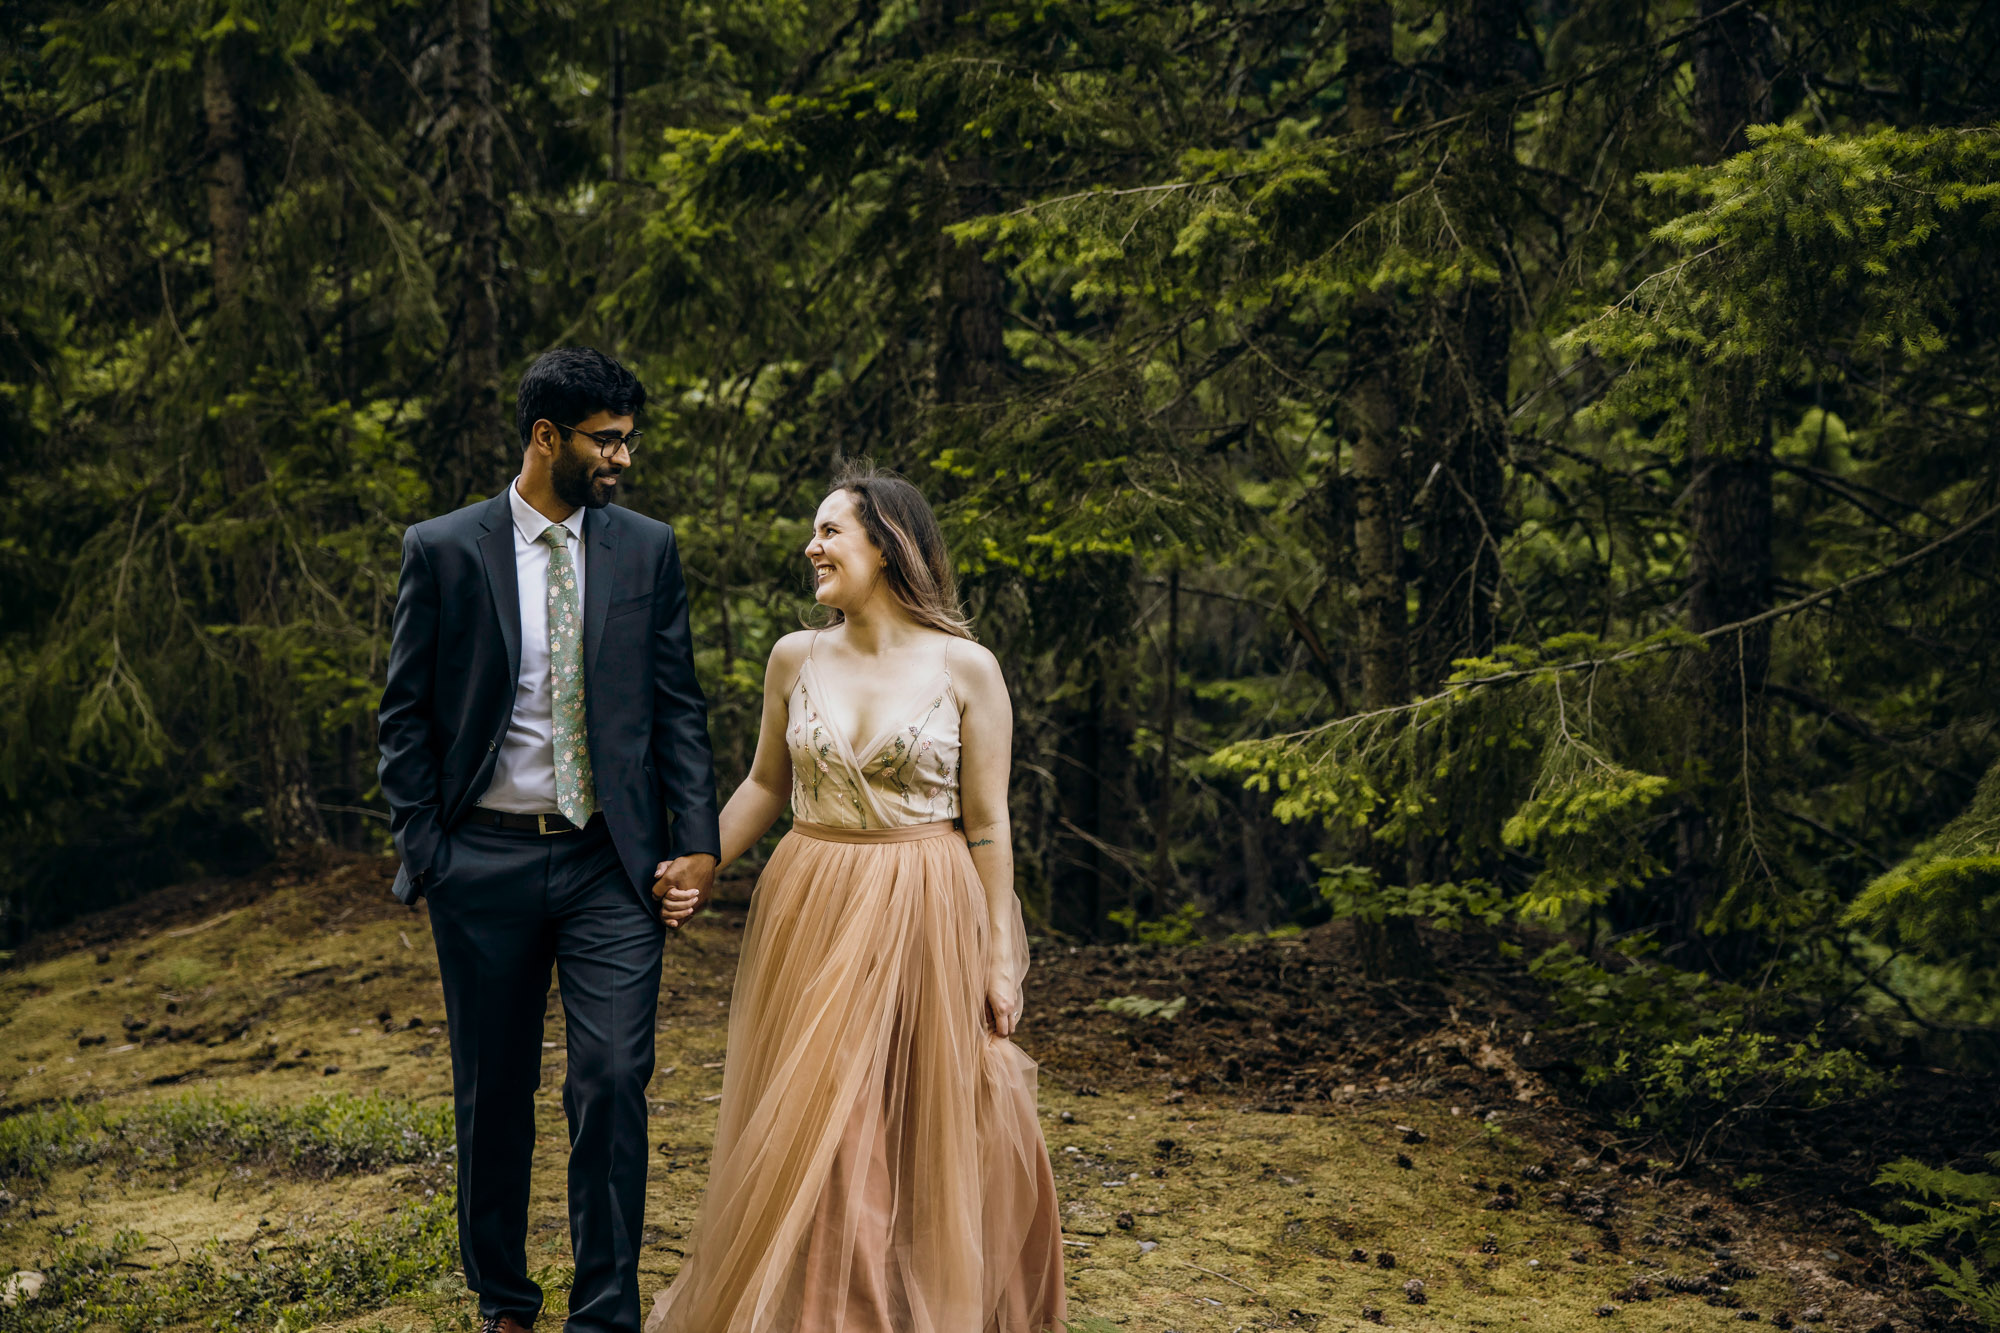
[{"x": 1325, "y": 405}]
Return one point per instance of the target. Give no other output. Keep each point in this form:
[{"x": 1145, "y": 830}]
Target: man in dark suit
[{"x": 540, "y": 722}]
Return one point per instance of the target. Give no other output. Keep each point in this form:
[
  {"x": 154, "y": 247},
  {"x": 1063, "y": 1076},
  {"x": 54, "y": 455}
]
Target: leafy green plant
[
  {"x": 1176, "y": 930},
  {"x": 1515, "y": 757},
  {"x": 323, "y": 1136},
  {"x": 89, "y": 1283},
  {"x": 1140, "y": 1006},
  {"x": 1956, "y": 1233},
  {"x": 1711, "y": 1083},
  {"x": 1640, "y": 1000},
  {"x": 187, "y": 974},
  {"x": 1940, "y": 902},
  {"x": 1693, "y": 1058},
  {"x": 35, "y": 1144},
  {"x": 1355, "y": 891}
]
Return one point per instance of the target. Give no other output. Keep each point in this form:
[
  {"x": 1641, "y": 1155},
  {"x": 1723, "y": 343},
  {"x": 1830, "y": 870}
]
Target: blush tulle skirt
[{"x": 878, "y": 1165}]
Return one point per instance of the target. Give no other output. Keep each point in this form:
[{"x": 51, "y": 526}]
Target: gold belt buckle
[{"x": 542, "y": 825}]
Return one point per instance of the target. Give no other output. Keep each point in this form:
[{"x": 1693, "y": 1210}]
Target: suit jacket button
[{"x": 491, "y": 746}]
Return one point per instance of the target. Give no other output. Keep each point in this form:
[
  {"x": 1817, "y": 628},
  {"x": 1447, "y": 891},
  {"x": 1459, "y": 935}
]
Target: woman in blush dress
[{"x": 878, "y": 1165}]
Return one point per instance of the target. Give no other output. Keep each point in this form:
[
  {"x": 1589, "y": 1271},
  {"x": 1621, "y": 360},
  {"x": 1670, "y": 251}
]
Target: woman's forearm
[
  {"x": 992, "y": 848},
  {"x": 751, "y": 811}
]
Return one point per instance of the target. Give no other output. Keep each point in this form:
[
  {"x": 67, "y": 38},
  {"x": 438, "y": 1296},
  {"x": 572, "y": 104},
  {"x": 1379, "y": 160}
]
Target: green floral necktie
[{"x": 576, "y": 790}]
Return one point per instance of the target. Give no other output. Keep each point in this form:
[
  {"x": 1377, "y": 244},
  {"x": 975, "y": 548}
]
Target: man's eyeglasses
[{"x": 607, "y": 441}]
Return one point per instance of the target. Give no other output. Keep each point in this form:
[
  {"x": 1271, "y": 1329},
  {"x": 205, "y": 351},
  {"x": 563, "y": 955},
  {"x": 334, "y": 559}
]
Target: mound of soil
[
  {"x": 356, "y": 883},
  {"x": 1289, "y": 1026}
]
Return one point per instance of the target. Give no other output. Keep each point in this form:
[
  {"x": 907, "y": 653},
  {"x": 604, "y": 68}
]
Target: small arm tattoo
[{"x": 983, "y": 842}]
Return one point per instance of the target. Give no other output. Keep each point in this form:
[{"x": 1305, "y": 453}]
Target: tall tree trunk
[
  {"x": 228, "y": 179},
  {"x": 1260, "y": 907},
  {"x": 1460, "y": 515},
  {"x": 1374, "y": 419},
  {"x": 291, "y": 812},
  {"x": 1079, "y": 884},
  {"x": 968, "y": 355},
  {"x": 481, "y": 451},
  {"x": 1464, "y": 449},
  {"x": 1163, "y": 822},
  {"x": 348, "y": 761},
  {"x": 1461, "y": 464},
  {"x": 1732, "y": 91},
  {"x": 1729, "y": 559},
  {"x": 1376, "y": 479},
  {"x": 617, "y": 100},
  {"x": 1390, "y": 947}
]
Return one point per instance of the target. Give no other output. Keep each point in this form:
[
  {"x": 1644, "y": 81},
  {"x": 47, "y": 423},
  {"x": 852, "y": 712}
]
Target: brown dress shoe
[{"x": 503, "y": 1323}]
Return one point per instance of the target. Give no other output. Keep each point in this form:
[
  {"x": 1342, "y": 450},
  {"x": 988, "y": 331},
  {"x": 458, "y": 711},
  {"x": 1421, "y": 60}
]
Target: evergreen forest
[{"x": 1513, "y": 482}]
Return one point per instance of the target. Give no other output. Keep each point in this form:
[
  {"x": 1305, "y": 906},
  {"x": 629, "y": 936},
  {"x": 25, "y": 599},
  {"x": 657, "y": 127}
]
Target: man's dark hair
[{"x": 567, "y": 384}]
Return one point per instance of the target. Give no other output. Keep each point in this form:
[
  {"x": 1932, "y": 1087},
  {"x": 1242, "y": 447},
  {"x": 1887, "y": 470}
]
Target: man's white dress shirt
[{"x": 524, "y": 777}]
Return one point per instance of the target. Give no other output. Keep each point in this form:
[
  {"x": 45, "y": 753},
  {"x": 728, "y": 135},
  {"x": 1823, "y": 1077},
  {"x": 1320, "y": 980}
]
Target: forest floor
[{"x": 1292, "y": 1148}]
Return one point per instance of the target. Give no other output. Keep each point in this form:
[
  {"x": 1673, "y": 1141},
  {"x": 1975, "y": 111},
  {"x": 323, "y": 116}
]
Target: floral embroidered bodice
[{"x": 908, "y": 775}]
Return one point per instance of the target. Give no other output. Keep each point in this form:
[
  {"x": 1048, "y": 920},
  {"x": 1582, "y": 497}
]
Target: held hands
[{"x": 682, "y": 886}]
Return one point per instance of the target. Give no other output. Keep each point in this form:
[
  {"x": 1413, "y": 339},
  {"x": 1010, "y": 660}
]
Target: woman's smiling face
[{"x": 846, "y": 565}]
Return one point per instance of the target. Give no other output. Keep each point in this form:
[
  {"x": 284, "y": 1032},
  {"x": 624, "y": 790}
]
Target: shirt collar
[{"x": 530, "y": 523}]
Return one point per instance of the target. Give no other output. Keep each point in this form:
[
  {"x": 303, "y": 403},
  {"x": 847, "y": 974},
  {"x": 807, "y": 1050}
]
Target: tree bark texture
[
  {"x": 617, "y": 102},
  {"x": 1375, "y": 479},
  {"x": 1375, "y": 415},
  {"x": 228, "y": 179},
  {"x": 1080, "y": 880},
  {"x": 1729, "y": 552},
  {"x": 1461, "y": 461},
  {"x": 1729, "y": 580},
  {"x": 1163, "y": 822},
  {"x": 1731, "y": 89},
  {"x": 969, "y": 354},
  {"x": 291, "y": 810},
  {"x": 481, "y": 449}
]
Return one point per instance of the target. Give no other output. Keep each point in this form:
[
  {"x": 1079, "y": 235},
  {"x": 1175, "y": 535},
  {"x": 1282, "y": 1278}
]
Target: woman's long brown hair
[{"x": 899, "y": 521}]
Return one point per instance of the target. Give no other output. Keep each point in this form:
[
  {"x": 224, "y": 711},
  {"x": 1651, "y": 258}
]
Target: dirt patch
[{"x": 1287, "y": 1028}]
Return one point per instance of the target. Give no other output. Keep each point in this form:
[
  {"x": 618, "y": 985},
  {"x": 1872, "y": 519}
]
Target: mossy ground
[{"x": 1186, "y": 1206}]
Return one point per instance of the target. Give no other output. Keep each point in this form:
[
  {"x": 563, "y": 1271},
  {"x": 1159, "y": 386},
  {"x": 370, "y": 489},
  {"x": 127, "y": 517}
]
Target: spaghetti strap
[{"x": 799, "y": 680}]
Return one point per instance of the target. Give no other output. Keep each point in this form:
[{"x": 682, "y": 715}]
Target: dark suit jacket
[{"x": 455, "y": 657}]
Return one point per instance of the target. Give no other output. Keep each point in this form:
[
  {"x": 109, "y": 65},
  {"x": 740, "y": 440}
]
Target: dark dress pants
[{"x": 505, "y": 907}]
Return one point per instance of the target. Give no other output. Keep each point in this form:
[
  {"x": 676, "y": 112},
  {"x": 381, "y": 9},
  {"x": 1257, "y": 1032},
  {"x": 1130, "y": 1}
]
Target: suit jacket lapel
[
  {"x": 496, "y": 550},
  {"x": 600, "y": 569}
]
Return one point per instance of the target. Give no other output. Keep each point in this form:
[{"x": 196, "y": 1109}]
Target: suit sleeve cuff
[{"x": 696, "y": 834}]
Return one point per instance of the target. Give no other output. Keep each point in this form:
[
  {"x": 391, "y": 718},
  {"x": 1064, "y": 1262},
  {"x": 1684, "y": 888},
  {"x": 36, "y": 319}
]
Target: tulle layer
[{"x": 878, "y": 1163}]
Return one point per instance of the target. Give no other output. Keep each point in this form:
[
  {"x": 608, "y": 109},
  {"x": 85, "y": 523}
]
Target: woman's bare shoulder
[
  {"x": 789, "y": 654},
  {"x": 973, "y": 664}
]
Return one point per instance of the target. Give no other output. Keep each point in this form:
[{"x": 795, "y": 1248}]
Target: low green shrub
[
  {"x": 91, "y": 1284},
  {"x": 1140, "y": 1006},
  {"x": 35, "y": 1144},
  {"x": 324, "y": 1136},
  {"x": 1178, "y": 929},
  {"x": 1956, "y": 1232},
  {"x": 1356, "y": 893},
  {"x": 1694, "y": 1059}
]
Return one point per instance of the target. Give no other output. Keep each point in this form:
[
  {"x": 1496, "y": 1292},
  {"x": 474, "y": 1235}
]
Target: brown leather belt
[{"x": 507, "y": 819}]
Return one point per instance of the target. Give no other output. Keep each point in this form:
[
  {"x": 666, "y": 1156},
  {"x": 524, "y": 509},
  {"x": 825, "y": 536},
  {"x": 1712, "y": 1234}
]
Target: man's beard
[{"x": 575, "y": 481}]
